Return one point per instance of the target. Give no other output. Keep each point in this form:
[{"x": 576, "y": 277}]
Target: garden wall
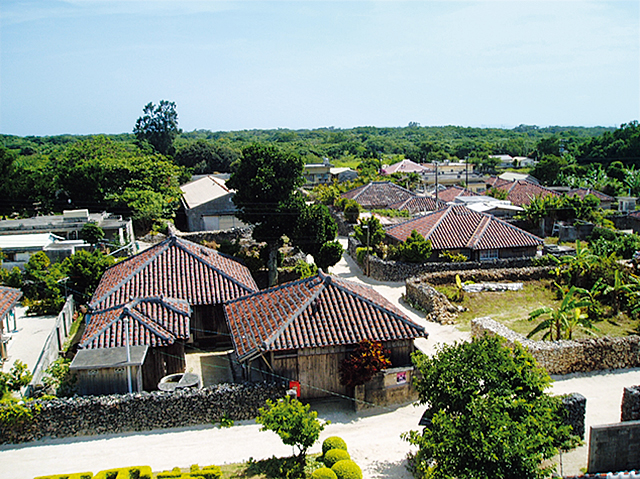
[
  {"x": 631, "y": 404},
  {"x": 89, "y": 415},
  {"x": 564, "y": 357},
  {"x": 397, "y": 271}
]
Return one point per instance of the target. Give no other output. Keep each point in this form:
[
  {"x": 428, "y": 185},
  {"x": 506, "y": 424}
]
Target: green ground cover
[{"x": 512, "y": 309}]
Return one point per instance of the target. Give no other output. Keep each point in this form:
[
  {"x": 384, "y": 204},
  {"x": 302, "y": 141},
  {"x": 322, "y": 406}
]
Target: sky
[{"x": 90, "y": 66}]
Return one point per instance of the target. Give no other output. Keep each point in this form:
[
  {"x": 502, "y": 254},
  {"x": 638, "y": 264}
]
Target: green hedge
[
  {"x": 333, "y": 442},
  {"x": 208, "y": 472},
  {"x": 77, "y": 475},
  {"x": 136, "y": 472},
  {"x": 335, "y": 455},
  {"x": 323, "y": 473},
  {"x": 347, "y": 469}
]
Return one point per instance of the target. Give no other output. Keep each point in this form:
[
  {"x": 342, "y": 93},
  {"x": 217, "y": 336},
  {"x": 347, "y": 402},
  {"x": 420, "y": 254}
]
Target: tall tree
[
  {"x": 158, "y": 126},
  {"x": 265, "y": 181}
]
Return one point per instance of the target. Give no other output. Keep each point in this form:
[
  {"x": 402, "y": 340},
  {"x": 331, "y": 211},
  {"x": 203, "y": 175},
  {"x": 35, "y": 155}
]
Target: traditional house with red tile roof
[
  {"x": 303, "y": 330},
  {"x": 478, "y": 236},
  {"x": 9, "y": 298},
  {"x": 418, "y": 205},
  {"x": 181, "y": 269},
  {"x": 452, "y": 192},
  {"x": 379, "y": 195},
  {"x": 160, "y": 323},
  {"x": 605, "y": 200},
  {"x": 519, "y": 192}
]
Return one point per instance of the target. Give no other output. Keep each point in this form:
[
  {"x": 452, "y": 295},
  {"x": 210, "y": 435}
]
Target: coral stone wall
[
  {"x": 564, "y": 357},
  {"x": 397, "y": 271},
  {"x": 631, "y": 404},
  {"x": 89, "y": 415}
]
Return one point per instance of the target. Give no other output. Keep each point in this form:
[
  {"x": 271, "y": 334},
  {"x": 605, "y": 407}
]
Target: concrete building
[{"x": 208, "y": 205}]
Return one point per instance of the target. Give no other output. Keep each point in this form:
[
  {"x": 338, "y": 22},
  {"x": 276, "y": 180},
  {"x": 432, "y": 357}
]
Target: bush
[
  {"x": 333, "y": 442},
  {"x": 415, "y": 249},
  {"x": 323, "y": 473},
  {"x": 451, "y": 257},
  {"x": 347, "y": 469},
  {"x": 137, "y": 472},
  {"x": 335, "y": 455},
  {"x": 77, "y": 475},
  {"x": 351, "y": 211}
]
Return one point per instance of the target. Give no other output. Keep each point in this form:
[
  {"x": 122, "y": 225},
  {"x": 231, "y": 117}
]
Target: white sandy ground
[{"x": 373, "y": 436}]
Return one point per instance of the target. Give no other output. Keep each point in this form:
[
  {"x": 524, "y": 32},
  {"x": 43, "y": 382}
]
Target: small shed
[
  {"x": 9, "y": 298},
  {"x": 104, "y": 371}
]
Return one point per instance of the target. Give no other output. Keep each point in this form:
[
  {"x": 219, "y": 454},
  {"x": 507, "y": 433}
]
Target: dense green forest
[{"x": 127, "y": 173}]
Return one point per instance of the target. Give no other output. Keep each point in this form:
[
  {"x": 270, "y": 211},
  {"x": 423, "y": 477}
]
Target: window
[{"x": 488, "y": 254}]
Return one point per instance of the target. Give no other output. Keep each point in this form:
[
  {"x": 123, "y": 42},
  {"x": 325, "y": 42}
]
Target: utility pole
[{"x": 436, "y": 163}]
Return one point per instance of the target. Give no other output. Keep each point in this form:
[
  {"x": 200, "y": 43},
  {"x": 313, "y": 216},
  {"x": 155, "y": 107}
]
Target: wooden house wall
[
  {"x": 318, "y": 369},
  {"x": 96, "y": 382},
  {"x": 161, "y": 362}
]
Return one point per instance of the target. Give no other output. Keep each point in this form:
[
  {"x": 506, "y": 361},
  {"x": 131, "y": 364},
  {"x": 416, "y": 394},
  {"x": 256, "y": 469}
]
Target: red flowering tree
[{"x": 368, "y": 358}]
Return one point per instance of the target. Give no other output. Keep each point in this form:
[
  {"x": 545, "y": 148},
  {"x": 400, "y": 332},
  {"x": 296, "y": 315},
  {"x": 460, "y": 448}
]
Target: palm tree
[
  {"x": 561, "y": 322},
  {"x": 619, "y": 289}
]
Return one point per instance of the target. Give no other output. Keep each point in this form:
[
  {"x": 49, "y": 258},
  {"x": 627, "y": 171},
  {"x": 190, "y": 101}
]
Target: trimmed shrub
[
  {"x": 77, "y": 475},
  {"x": 347, "y": 469},
  {"x": 136, "y": 472},
  {"x": 335, "y": 455},
  {"x": 323, "y": 473},
  {"x": 333, "y": 442}
]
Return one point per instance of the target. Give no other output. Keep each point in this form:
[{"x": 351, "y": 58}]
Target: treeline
[{"x": 129, "y": 174}]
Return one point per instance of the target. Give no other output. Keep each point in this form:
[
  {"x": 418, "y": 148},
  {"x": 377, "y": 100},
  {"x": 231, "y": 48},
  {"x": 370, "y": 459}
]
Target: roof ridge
[
  {"x": 445, "y": 212},
  {"x": 149, "y": 324},
  {"x": 161, "y": 247},
  {"x": 296, "y": 314},
  {"x": 476, "y": 236},
  {"x": 184, "y": 248},
  {"x": 342, "y": 287}
]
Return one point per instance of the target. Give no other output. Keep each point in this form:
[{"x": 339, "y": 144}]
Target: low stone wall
[
  {"x": 530, "y": 273},
  {"x": 564, "y": 357},
  {"x": 388, "y": 387},
  {"x": 89, "y": 415},
  {"x": 631, "y": 404},
  {"x": 344, "y": 228},
  {"x": 397, "y": 271},
  {"x": 437, "y": 307}
]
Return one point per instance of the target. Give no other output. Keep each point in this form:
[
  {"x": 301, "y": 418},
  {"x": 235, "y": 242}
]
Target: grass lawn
[{"x": 512, "y": 309}]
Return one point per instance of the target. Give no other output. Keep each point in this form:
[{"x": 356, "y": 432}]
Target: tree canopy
[
  {"x": 489, "y": 415},
  {"x": 158, "y": 126}
]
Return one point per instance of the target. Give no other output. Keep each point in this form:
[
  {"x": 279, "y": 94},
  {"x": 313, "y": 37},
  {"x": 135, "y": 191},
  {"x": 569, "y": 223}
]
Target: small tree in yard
[
  {"x": 365, "y": 362},
  {"x": 296, "y": 425},
  {"x": 490, "y": 416}
]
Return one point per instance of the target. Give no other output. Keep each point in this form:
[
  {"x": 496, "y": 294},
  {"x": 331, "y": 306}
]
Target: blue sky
[{"x": 89, "y": 66}]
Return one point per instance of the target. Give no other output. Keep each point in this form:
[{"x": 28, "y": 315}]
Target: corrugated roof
[
  {"x": 32, "y": 240},
  {"x": 315, "y": 312},
  {"x": 174, "y": 268},
  {"x": 154, "y": 322},
  {"x": 379, "y": 194},
  {"x": 9, "y": 297},
  {"x": 404, "y": 166},
  {"x": 457, "y": 227}
]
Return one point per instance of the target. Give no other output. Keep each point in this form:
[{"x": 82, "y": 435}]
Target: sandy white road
[{"x": 373, "y": 436}]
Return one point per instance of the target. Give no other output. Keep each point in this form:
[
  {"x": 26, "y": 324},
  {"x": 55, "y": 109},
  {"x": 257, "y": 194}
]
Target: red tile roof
[
  {"x": 320, "y": 311},
  {"x": 175, "y": 268},
  {"x": 152, "y": 321},
  {"x": 379, "y": 194},
  {"x": 582, "y": 192},
  {"x": 418, "y": 204},
  {"x": 520, "y": 192},
  {"x": 452, "y": 192},
  {"x": 404, "y": 166},
  {"x": 9, "y": 297},
  {"x": 458, "y": 227}
]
